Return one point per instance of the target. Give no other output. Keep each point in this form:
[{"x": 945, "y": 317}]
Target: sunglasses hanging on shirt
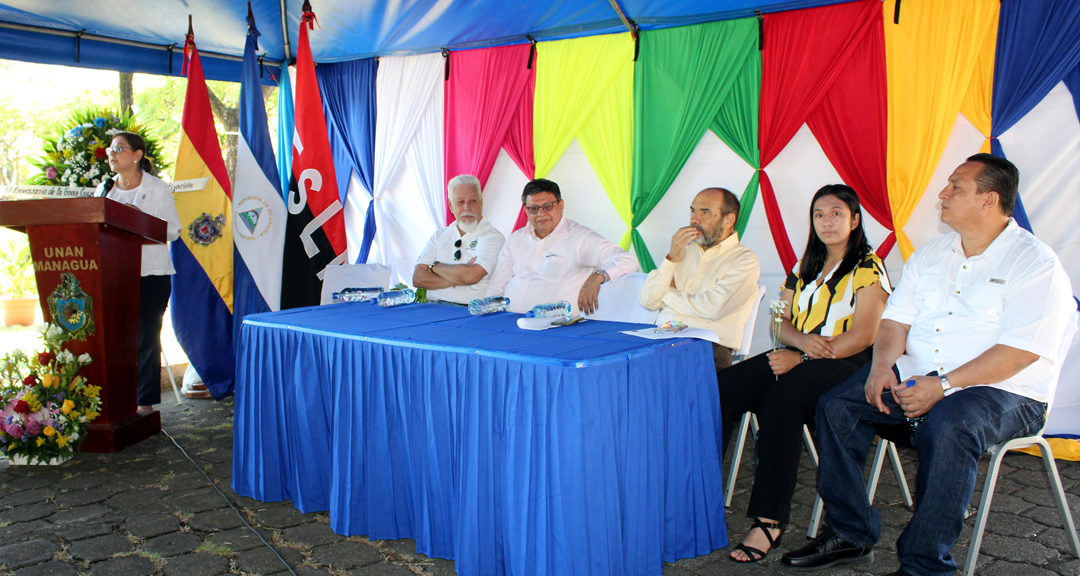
[{"x": 457, "y": 253}]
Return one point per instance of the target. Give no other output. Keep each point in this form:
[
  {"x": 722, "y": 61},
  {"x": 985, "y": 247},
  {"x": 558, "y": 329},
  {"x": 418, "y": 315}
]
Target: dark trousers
[
  {"x": 957, "y": 430},
  {"x": 154, "y": 294},
  {"x": 782, "y": 406}
]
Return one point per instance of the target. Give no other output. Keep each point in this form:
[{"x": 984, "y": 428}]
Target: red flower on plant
[
  {"x": 99, "y": 153},
  {"x": 22, "y": 407},
  {"x": 30, "y": 380},
  {"x": 45, "y": 358}
]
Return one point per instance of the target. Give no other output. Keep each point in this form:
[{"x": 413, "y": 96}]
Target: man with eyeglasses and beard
[
  {"x": 554, "y": 258},
  {"x": 708, "y": 279},
  {"x": 457, "y": 262}
]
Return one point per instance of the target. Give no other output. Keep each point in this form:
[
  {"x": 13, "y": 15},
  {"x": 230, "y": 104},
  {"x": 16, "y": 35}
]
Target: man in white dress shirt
[
  {"x": 554, "y": 258},
  {"x": 708, "y": 280},
  {"x": 967, "y": 356},
  {"x": 458, "y": 260}
]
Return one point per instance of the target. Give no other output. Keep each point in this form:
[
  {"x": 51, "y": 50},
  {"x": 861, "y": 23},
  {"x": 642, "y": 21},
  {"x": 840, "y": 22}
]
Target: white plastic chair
[
  {"x": 748, "y": 332},
  {"x": 997, "y": 452},
  {"x": 353, "y": 276},
  {"x": 618, "y": 301}
]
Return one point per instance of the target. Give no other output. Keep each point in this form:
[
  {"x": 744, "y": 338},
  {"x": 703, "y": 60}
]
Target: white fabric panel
[
  {"x": 1045, "y": 145},
  {"x": 586, "y": 202},
  {"x": 426, "y": 157},
  {"x": 355, "y": 212},
  {"x": 502, "y": 194}
]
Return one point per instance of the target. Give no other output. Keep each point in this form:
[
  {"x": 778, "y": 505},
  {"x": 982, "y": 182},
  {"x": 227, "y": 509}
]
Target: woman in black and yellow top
[{"x": 835, "y": 297}]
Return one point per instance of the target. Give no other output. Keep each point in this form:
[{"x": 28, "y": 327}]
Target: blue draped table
[{"x": 576, "y": 450}]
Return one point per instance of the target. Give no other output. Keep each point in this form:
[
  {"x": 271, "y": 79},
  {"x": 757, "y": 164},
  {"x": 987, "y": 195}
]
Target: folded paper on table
[
  {"x": 699, "y": 333},
  {"x": 537, "y": 323}
]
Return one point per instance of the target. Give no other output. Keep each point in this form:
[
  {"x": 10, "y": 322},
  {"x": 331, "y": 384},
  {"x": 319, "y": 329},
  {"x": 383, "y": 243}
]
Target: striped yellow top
[{"x": 829, "y": 309}]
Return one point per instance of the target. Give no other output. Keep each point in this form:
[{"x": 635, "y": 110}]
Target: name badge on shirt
[{"x": 998, "y": 281}]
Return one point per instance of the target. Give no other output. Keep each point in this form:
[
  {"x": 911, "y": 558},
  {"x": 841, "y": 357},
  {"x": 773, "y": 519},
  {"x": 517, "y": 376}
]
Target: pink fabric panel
[{"x": 483, "y": 99}]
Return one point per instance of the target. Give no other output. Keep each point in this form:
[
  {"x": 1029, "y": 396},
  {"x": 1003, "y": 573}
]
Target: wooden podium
[{"x": 97, "y": 241}]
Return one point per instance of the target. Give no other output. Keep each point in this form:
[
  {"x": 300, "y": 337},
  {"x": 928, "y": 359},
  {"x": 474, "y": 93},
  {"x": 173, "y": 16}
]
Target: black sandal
[{"x": 755, "y": 554}]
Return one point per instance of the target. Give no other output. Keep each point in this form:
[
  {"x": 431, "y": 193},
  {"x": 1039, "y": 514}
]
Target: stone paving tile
[
  {"x": 346, "y": 555},
  {"x": 50, "y": 568},
  {"x": 24, "y": 530},
  {"x": 80, "y": 515},
  {"x": 197, "y": 564},
  {"x": 28, "y": 553},
  {"x": 75, "y": 498},
  {"x": 32, "y": 496},
  {"x": 150, "y": 525},
  {"x": 84, "y": 531},
  {"x": 282, "y": 517},
  {"x": 173, "y": 544},
  {"x": 238, "y": 539},
  {"x": 123, "y": 566},
  {"x": 215, "y": 520},
  {"x": 94, "y": 549},
  {"x": 264, "y": 561},
  {"x": 311, "y": 534},
  {"x": 26, "y": 513},
  {"x": 382, "y": 570}
]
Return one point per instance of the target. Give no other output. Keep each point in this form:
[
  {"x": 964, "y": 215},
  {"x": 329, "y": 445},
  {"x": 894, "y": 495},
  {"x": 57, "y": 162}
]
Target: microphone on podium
[{"x": 106, "y": 186}]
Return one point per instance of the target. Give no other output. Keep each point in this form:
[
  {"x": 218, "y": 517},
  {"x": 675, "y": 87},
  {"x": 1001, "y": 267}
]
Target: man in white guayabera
[
  {"x": 555, "y": 259},
  {"x": 458, "y": 260}
]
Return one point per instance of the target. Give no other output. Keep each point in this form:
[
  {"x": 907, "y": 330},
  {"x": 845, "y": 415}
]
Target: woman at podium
[{"x": 134, "y": 184}]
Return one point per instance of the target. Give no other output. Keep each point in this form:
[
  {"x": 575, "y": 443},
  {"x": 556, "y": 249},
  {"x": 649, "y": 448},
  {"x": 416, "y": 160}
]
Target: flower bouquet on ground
[
  {"x": 76, "y": 156},
  {"x": 45, "y": 405}
]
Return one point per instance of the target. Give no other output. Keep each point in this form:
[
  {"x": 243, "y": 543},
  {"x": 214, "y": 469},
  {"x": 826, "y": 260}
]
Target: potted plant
[{"x": 18, "y": 288}]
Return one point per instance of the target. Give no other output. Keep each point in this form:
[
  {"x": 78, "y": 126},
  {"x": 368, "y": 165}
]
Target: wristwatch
[
  {"x": 602, "y": 273},
  {"x": 803, "y": 357},
  {"x": 431, "y": 267},
  {"x": 945, "y": 386}
]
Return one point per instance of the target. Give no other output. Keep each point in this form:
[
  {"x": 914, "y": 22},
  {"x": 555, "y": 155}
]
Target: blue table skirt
[{"x": 576, "y": 450}]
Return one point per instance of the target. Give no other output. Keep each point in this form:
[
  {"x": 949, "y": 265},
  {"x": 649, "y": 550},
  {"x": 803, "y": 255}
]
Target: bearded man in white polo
[{"x": 458, "y": 260}]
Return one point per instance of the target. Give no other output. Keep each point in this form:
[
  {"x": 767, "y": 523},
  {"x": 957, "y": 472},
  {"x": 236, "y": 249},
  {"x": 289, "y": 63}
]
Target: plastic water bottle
[
  {"x": 357, "y": 294},
  {"x": 482, "y": 306},
  {"x": 551, "y": 310},
  {"x": 395, "y": 297}
]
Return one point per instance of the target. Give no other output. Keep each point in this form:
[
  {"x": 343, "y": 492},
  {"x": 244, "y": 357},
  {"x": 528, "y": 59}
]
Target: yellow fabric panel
[
  {"x": 217, "y": 257},
  {"x": 978, "y": 102},
  {"x": 1062, "y": 448},
  {"x": 572, "y": 77},
  {"x": 930, "y": 58},
  {"x": 607, "y": 138}
]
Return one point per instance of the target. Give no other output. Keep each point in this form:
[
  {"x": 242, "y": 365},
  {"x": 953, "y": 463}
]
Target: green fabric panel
[
  {"x": 737, "y": 122},
  {"x": 682, "y": 78},
  {"x": 746, "y": 203}
]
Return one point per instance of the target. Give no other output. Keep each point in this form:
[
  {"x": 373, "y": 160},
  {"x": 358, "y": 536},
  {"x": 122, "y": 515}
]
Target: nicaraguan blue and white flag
[{"x": 259, "y": 208}]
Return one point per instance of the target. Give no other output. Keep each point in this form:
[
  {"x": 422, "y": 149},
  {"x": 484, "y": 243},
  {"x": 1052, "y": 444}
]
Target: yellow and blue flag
[{"x": 202, "y": 295}]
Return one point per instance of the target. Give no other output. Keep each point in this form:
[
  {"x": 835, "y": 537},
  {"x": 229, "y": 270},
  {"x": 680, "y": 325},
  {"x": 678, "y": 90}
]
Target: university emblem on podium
[
  {"x": 206, "y": 228},
  {"x": 72, "y": 308}
]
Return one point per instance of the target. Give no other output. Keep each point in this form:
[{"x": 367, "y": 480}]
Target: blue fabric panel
[
  {"x": 1038, "y": 44},
  {"x": 48, "y": 49},
  {"x": 1072, "y": 82},
  {"x": 349, "y": 29},
  {"x": 348, "y": 91},
  {"x": 286, "y": 127},
  {"x": 1019, "y": 214},
  {"x": 505, "y": 464}
]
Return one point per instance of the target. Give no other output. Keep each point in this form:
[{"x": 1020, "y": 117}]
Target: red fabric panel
[
  {"x": 851, "y": 124},
  {"x": 776, "y": 223},
  {"x": 805, "y": 51},
  {"x": 483, "y": 98},
  {"x": 519, "y": 139}
]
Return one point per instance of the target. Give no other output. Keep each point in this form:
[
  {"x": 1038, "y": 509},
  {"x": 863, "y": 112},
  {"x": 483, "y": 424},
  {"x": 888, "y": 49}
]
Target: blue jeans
[{"x": 956, "y": 432}]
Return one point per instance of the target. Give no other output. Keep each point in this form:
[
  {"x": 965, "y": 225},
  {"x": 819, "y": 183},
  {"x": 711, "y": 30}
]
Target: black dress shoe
[{"x": 826, "y": 551}]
